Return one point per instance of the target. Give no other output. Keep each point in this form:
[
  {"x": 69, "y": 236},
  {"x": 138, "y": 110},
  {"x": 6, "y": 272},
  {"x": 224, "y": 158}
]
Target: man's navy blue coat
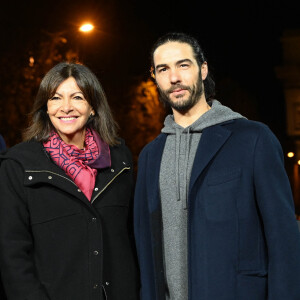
[{"x": 243, "y": 238}]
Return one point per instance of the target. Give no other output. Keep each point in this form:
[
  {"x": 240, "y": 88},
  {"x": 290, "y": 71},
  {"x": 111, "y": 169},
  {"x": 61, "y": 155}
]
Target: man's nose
[{"x": 175, "y": 76}]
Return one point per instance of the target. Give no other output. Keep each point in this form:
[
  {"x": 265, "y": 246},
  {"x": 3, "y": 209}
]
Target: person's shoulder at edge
[
  {"x": 28, "y": 151},
  {"x": 2, "y": 143}
]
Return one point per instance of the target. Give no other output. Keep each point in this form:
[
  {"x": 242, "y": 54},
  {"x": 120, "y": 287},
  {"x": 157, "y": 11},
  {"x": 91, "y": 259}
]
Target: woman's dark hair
[
  {"x": 209, "y": 84},
  {"x": 102, "y": 122}
]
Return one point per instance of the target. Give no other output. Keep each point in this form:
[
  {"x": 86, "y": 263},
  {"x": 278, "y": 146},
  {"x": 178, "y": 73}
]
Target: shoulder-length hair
[
  {"x": 180, "y": 37},
  {"x": 102, "y": 122}
]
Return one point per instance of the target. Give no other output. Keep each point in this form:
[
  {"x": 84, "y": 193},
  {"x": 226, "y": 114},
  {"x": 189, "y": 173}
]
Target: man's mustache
[{"x": 178, "y": 86}]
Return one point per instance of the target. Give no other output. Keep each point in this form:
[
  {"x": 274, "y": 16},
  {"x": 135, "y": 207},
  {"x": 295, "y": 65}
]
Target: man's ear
[
  {"x": 152, "y": 73},
  {"x": 204, "y": 70}
]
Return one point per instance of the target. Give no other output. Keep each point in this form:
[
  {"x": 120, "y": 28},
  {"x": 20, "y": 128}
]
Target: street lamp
[
  {"x": 87, "y": 27},
  {"x": 84, "y": 29}
]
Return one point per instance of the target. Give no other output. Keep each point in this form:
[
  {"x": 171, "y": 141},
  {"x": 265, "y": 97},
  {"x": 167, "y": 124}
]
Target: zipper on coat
[
  {"x": 108, "y": 184},
  {"x": 104, "y": 292}
]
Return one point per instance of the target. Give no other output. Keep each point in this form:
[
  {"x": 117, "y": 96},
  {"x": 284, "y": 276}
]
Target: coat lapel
[
  {"x": 153, "y": 168},
  {"x": 212, "y": 139}
]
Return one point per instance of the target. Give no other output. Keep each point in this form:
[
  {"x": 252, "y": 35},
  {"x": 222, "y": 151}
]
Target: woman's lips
[{"x": 68, "y": 119}]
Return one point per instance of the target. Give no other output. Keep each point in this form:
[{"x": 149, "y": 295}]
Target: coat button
[
  {"x": 112, "y": 170},
  {"x": 95, "y": 252},
  {"x": 95, "y": 286},
  {"x": 79, "y": 190},
  {"x": 30, "y": 177},
  {"x": 49, "y": 177},
  {"x": 124, "y": 163},
  {"x": 107, "y": 283},
  {"x": 96, "y": 189}
]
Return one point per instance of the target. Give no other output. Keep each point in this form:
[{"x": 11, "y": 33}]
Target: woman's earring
[{"x": 91, "y": 116}]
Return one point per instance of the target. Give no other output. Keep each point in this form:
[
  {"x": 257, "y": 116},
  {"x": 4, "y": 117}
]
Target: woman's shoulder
[
  {"x": 121, "y": 150},
  {"x": 120, "y": 145}
]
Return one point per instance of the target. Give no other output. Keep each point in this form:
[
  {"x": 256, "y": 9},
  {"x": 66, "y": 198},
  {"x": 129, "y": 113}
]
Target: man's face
[{"x": 178, "y": 76}]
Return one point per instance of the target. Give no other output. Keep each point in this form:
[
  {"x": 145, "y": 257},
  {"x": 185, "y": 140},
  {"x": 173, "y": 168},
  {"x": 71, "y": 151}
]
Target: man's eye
[
  {"x": 162, "y": 70},
  {"x": 184, "y": 65}
]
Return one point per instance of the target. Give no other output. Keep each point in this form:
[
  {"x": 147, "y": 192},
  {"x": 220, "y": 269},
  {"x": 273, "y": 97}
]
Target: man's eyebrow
[
  {"x": 183, "y": 60},
  {"x": 177, "y": 63},
  {"x": 160, "y": 66}
]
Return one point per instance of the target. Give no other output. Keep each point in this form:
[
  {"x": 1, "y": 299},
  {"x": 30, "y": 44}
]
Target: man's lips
[{"x": 178, "y": 91}]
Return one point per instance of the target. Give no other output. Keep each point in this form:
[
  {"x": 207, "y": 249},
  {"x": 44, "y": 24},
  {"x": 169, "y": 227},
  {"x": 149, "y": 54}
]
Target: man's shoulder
[
  {"x": 154, "y": 145},
  {"x": 252, "y": 130},
  {"x": 244, "y": 125}
]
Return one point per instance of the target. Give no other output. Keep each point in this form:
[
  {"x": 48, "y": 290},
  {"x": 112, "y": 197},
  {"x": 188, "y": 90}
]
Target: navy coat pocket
[{"x": 220, "y": 199}]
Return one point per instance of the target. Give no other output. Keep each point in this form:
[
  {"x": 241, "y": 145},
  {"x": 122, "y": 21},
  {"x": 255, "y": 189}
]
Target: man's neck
[{"x": 185, "y": 119}]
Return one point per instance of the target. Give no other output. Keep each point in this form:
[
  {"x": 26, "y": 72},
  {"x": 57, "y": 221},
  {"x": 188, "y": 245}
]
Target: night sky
[{"x": 240, "y": 39}]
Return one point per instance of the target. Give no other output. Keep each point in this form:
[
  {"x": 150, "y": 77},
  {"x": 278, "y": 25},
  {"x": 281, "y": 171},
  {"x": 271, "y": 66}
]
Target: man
[{"x": 214, "y": 214}]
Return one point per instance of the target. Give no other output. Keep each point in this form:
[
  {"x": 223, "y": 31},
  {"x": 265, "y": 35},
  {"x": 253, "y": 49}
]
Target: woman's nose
[{"x": 67, "y": 106}]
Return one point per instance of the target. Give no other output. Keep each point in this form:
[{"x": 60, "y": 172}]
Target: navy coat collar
[{"x": 212, "y": 139}]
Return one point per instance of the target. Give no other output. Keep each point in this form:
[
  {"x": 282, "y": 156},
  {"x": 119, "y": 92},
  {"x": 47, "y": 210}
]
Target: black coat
[{"x": 54, "y": 243}]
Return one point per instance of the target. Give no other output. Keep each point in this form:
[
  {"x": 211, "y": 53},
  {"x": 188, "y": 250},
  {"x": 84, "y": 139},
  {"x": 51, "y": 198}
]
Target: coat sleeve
[
  {"x": 16, "y": 242},
  {"x": 139, "y": 202},
  {"x": 276, "y": 206},
  {"x": 142, "y": 231}
]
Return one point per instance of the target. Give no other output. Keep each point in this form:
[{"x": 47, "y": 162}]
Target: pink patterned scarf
[{"x": 80, "y": 165}]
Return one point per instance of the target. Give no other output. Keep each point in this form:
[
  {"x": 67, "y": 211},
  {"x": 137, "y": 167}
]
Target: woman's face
[{"x": 69, "y": 111}]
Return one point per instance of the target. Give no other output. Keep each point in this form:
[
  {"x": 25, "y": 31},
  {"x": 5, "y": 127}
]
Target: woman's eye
[
  {"x": 78, "y": 98},
  {"x": 55, "y": 98}
]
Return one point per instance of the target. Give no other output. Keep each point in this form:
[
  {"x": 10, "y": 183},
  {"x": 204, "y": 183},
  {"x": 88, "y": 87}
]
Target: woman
[{"x": 65, "y": 198}]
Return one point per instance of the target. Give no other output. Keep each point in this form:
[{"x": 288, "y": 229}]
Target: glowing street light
[
  {"x": 291, "y": 154},
  {"x": 86, "y": 27}
]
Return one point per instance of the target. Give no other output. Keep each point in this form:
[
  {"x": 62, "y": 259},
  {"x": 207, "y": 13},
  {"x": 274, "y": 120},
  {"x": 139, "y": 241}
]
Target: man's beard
[{"x": 196, "y": 92}]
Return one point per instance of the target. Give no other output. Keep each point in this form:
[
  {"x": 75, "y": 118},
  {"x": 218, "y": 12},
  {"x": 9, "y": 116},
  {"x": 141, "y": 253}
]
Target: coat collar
[
  {"x": 39, "y": 168},
  {"x": 212, "y": 139},
  {"x": 153, "y": 169}
]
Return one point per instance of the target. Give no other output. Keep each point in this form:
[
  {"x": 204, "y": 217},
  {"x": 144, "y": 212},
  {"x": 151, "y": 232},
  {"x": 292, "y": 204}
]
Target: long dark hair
[
  {"x": 209, "y": 84},
  {"x": 102, "y": 122}
]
